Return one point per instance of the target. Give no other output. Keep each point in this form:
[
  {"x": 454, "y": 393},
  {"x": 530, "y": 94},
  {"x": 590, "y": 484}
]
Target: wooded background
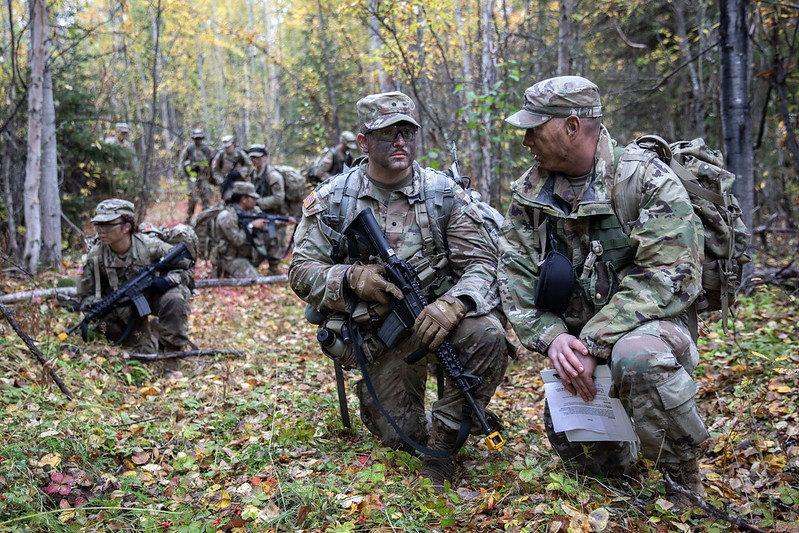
[{"x": 288, "y": 73}]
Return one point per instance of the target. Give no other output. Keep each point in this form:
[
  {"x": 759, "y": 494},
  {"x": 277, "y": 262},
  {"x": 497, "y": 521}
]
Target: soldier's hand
[
  {"x": 368, "y": 283},
  {"x": 437, "y": 319},
  {"x": 574, "y": 365},
  {"x": 258, "y": 223}
]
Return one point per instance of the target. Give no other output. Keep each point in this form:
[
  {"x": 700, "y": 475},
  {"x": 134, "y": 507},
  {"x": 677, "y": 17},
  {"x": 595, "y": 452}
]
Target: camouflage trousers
[
  {"x": 238, "y": 267},
  {"x": 480, "y": 343},
  {"x": 172, "y": 309},
  {"x": 651, "y": 371},
  {"x": 199, "y": 190}
]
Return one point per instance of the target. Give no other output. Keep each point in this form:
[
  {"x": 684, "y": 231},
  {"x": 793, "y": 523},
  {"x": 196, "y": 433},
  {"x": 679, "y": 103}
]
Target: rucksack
[
  {"x": 296, "y": 187},
  {"x": 709, "y": 185},
  {"x": 204, "y": 226},
  {"x": 180, "y": 233}
]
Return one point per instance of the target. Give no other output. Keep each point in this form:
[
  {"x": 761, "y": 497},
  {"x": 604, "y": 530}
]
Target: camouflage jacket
[
  {"x": 331, "y": 162},
  {"x": 661, "y": 282},
  {"x": 270, "y": 185},
  {"x": 192, "y": 154},
  {"x": 223, "y": 163},
  {"x": 103, "y": 271},
  {"x": 319, "y": 281},
  {"x": 233, "y": 239}
]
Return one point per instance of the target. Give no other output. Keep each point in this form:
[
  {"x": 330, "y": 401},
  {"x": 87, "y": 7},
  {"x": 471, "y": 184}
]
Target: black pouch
[
  {"x": 556, "y": 280},
  {"x": 555, "y": 283}
]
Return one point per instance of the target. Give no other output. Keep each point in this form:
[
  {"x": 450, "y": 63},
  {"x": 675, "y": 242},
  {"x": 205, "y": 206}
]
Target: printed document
[{"x": 601, "y": 419}]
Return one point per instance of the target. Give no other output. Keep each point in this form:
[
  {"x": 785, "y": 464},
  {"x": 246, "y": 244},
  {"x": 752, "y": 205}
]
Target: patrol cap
[
  {"x": 226, "y": 141},
  {"x": 112, "y": 209},
  {"x": 377, "y": 111},
  {"x": 245, "y": 188},
  {"x": 198, "y": 134},
  {"x": 122, "y": 127},
  {"x": 557, "y": 97},
  {"x": 348, "y": 138},
  {"x": 258, "y": 150}
]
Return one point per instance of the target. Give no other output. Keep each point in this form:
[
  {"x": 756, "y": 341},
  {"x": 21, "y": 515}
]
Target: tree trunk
[
  {"x": 697, "y": 125},
  {"x": 489, "y": 77},
  {"x": 736, "y": 113},
  {"x": 12, "y": 247},
  {"x": 48, "y": 188},
  {"x": 143, "y": 193},
  {"x": 33, "y": 169},
  {"x": 331, "y": 91},
  {"x": 564, "y": 38}
]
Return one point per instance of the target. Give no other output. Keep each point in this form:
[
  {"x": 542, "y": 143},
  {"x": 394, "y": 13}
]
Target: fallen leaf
[{"x": 51, "y": 459}]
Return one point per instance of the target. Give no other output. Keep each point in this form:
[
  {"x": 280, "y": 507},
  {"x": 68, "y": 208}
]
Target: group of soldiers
[{"x": 631, "y": 315}]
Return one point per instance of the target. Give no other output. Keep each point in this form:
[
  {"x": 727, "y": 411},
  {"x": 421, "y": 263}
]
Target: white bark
[{"x": 48, "y": 188}]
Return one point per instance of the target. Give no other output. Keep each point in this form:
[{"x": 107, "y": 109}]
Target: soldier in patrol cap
[
  {"x": 230, "y": 164},
  {"x": 241, "y": 247},
  {"x": 194, "y": 165},
  {"x": 119, "y": 254},
  {"x": 334, "y": 158},
  {"x": 271, "y": 187},
  {"x": 628, "y": 299},
  {"x": 459, "y": 273}
]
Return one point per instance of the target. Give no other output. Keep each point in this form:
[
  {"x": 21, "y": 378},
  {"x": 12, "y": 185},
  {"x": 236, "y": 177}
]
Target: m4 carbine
[
  {"x": 133, "y": 292},
  {"x": 404, "y": 312},
  {"x": 272, "y": 221}
]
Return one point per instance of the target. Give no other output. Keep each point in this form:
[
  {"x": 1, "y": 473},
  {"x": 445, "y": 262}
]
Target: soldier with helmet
[
  {"x": 230, "y": 164},
  {"x": 194, "y": 164},
  {"x": 121, "y": 253},
  {"x": 334, "y": 158},
  {"x": 240, "y": 249}
]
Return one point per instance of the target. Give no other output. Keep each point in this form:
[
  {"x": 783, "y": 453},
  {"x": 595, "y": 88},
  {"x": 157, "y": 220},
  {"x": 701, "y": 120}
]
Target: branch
[
  {"x": 624, "y": 37},
  {"x": 178, "y": 355},
  {"x": 742, "y": 524},
  {"x": 35, "y": 351}
]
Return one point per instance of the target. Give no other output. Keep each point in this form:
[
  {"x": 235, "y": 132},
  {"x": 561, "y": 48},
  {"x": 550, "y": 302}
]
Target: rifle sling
[
  {"x": 466, "y": 423},
  {"x": 342, "y": 396}
]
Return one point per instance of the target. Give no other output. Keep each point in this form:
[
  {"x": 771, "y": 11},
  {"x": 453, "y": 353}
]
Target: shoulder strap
[
  {"x": 341, "y": 206},
  {"x": 438, "y": 194}
]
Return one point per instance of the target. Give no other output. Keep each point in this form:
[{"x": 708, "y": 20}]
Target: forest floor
[{"x": 253, "y": 441}]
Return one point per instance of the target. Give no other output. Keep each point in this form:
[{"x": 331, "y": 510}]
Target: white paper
[{"x": 601, "y": 419}]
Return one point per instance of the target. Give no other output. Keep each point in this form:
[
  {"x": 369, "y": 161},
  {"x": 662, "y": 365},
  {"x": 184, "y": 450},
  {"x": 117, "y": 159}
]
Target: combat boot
[
  {"x": 171, "y": 366},
  {"x": 274, "y": 269},
  {"x": 439, "y": 469},
  {"x": 687, "y": 475}
]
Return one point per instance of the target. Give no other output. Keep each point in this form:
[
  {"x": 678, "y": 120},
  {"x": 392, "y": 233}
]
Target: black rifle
[
  {"x": 132, "y": 292},
  {"x": 404, "y": 312},
  {"x": 272, "y": 221}
]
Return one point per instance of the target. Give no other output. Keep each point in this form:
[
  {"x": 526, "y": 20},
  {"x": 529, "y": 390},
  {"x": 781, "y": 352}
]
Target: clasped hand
[{"x": 574, "y": 365}]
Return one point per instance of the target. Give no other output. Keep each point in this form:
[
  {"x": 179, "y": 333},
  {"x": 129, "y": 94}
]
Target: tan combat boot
[
  {"x": 687, "y": 475},
  {"x": 439, "y": 469}
]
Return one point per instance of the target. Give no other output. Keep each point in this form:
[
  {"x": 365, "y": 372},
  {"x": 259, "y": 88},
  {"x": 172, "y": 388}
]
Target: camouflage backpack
[
  {"x": 180, "y": 233},
  {"x": 296, "y": 187},
  {"x": 709, "y": 185},
  {"x": 204, "y": 226}
]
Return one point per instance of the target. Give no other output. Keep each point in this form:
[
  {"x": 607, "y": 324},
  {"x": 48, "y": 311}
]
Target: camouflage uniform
[
  {"x": 333, "y": 159},
  {"x": 637, "y": 327},
  {"x": 104, "y": 271},
  {"x": 237, "y": 254},
  {"x": 478, "y": 338},
  {"x": 224, "y": 163},
  {"x": 194, "y": 164},
  {"x": 269, "y": 184}
]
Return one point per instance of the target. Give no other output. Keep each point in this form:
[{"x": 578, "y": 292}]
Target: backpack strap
[{"x": 438, "y": 194}]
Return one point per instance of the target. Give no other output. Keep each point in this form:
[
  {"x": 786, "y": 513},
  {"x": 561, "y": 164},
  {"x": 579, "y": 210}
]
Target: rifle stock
[
  {"x": 131, "y": 292},
  {"x": 404, "y": 312}
]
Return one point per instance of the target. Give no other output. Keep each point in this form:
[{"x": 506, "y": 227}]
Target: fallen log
[{"x": 71, "y": 292}]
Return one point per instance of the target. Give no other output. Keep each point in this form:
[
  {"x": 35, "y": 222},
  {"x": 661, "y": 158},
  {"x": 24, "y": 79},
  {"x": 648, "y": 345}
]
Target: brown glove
[
  {"x": 368, "y": 283},
  {"x": 437, "y": 319}
]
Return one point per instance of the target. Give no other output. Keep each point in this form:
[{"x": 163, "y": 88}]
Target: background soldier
[
  {"x": 240, "y": 249},
  {"x": 461, "y": 288},
  {"x": 333, "y": 158},
  {"x": 271, "y": 187},
  {"x": 120, "y": 137},
  {"x": 194, "y": 163},
  {"x": 121, "y": 253},
  {"x": 230, "y": 164}
]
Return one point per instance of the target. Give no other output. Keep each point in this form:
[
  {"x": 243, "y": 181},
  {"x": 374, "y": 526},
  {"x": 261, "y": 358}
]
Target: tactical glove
[
  {"x": 437, "y": 319},
  {"x": 368, "y": 283},
  {"x": 161, "y": 285}
]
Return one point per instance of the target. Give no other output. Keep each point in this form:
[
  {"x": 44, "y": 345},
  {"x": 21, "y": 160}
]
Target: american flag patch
[{"x": 309, "y": 200}]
